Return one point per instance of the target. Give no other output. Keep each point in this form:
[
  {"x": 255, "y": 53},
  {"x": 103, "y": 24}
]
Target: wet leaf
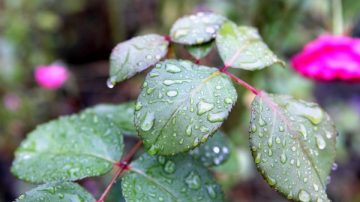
[
  {"x": 122, "y": 115},
  {"x": 135, "y": 55},
  {"x": 293, "y": 144},
  {"x": 177, "y": 178},
  {"x": 57, "y": 192},
  {"x": 196, "y": 29},
  {"x": 181, "y": 105},
  {"x": 214, "y": 152},
  {"x": 69, "y": 148},
  {"x": 201, "y": 50},
  {"x": 242, "y": 47}
]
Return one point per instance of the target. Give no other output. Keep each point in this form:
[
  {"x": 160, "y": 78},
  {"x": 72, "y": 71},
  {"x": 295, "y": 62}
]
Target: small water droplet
[
  {"x": 138, "y": 106},
  {"x": 180, "y": 33},
  {"x": 316, "y": 187},
  {"x": 172, "y": 68},
  {"x": 304, "y": 196},
  {"x": 277, "y": 140},
  {"x": 150, "y": 90},
  {"x": 270, "y": 141},
  {"x": 320, "y": 142},
  {"x": 303, "y": 131},
  {"x": 253, "y": 128},
  {"x": 148, "y": 121},
  {"x": 262, "y": 122},
  {"x": 283, "y": 158},
  {"x": 258, "y": 158},
  {"x": 228, "y": 101},
  {"x": 204, "y": 107},
  {"x": 281, "y": 129},
  {"x": 154, "y": 149},
  {"x": 210, "y": 30},
  {"x": 193, "y": 180},
  {"x": 188, "y": 130},
  {"x": 211, "y": 191},
  {"x": 169, "y": 167},
  {"x": 271, "y": 181},
  {"x": 172, "y": 93},
  {"x": 196, "y": 142},
  {"x": 328, "y": 134},
  {"x": 149, "y": 57}
]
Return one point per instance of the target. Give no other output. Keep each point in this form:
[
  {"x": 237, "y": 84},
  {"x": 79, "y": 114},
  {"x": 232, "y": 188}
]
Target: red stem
[
  {"x": 122, "y": 166},
  {"x": 239, "y": 81}
]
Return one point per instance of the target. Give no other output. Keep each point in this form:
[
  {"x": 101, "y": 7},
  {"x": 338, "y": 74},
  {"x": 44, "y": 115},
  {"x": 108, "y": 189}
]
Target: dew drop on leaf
[{"x": 193, "y": 180}]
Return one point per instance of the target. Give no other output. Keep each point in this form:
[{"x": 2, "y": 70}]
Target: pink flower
[
  {"x": 330, "y": 58},
  {"x": 52, "y": 76}
]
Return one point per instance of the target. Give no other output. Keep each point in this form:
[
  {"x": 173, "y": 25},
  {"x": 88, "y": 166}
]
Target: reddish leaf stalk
[
  {"x": 122, "y": 166},
  {"x": 239, "y": 81}
]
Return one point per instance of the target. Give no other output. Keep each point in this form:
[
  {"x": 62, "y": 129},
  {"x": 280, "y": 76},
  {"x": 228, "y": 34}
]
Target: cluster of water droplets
[
  {"x": 296, "y": 137},
  {"x": 182, "y": 105},
  {"x": 197, "y": 28},
  {"x": 135, "y": 55}
]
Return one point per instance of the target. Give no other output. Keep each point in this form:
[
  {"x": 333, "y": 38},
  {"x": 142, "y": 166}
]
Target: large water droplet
[
  {"x": 304, "y": 196},
  {"x": 193, "y": 180},
  {"x": 169, "y": 167},
  {"x": 320, "y": 142},
  {"x": 204, "y": 107},
  {"x": 172, "y": 93},
  {"x": 218, "y": 117},
  {"x": 172, "y": 68},
  {"x": 148, "y": 121}
]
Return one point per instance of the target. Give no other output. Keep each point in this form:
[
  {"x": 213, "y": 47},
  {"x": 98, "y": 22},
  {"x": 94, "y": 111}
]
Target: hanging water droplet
[
  {"x": 148, "y": 121},
  {"x": 193, "y": 180},
  {"x": 271, "y": 181},
  {"x": 110, "y": 83},
  {"x": 277, "y": 140},
  {"x": 172, "y": 93},
  {"x": 196, "y": 142},
  {"x": 169, "y": 167},
  {"x": 304, "y": 196},
  {"x": 262, "y": 122},
  {"x": 303, "y": 131},
  {"x": 204, "y": 107},
  {"x": 253, "y": 128},
  {"x": 320, "y": 142}
]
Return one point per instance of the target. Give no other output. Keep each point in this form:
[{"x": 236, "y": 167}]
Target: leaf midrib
[{"x": 152, "y": 180}]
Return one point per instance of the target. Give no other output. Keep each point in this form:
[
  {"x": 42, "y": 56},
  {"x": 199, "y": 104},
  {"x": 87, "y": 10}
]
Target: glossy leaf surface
[
  {"x": 293, "y": 144},
  {"x": 214, "y": 152},
  {"x": 196, "y": 29},
  {"x": 242, "y": 47},
  {"x": 57, "y": 192},
  {"x": 69, "y": 148},
  {"x": 136, "y": 55},
  {"x": 181, "y": 104},
  {"x": 177, "y": 178},
  {"x": 122, "y": 115}
]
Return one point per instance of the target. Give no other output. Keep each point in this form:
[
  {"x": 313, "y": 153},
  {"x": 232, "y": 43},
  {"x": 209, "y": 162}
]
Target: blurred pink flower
[
  {"x": 330, "y": 58},
  {"x": 52, "y": 76}
]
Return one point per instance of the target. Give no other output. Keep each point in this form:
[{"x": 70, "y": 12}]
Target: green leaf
[
  {"x": 201, "y": 50},
  {"x": 122, "y": 115},
  {"x": 57, "y": 192},
  {"x": 136, "y": 55},
  {"x": 293, "y": 144},
  {"x": 196, "y": 29},
  {"x": 177, "y": 178},
  {"x": 181, "y": 104},
  {"x": 242, "y": 47},
  {"x": 69, "y": 148},
  {"x": 214, "y": 152}
]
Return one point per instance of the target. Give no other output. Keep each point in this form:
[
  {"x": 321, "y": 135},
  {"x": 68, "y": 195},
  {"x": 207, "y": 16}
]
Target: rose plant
[{"x": 177, "y": 119}]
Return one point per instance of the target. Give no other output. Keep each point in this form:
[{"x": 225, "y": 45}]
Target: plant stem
[
  {"x": 122, "y": 166},
  {"x": 241, "y": 82},
  {"x": 337, "y": 17}
]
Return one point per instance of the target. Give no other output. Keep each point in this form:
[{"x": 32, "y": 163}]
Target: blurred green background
[{"x": 82, "y": 33}]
